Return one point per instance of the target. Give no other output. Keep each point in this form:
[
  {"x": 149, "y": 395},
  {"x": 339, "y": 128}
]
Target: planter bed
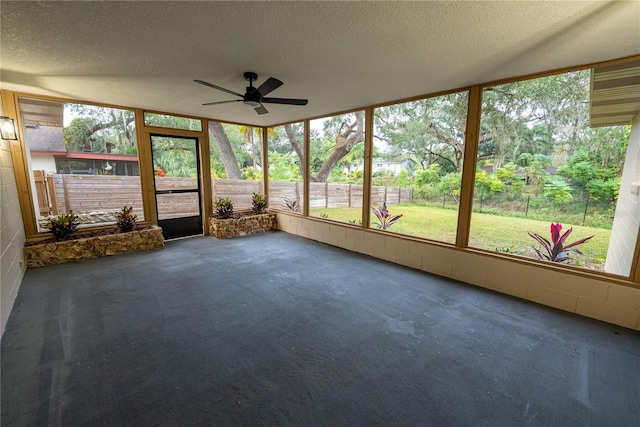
[
  {"x": 92, "y": 245},
  {"x": 243, "y": 225}
]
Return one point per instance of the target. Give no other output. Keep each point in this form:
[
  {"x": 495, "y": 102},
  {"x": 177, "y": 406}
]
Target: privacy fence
[{"x": 61, "y": 193}]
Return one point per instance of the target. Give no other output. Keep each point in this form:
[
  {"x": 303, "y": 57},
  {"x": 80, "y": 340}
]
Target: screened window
[
  {"x": 286, "y": 167},
  {"x": 335, "y": 167},
  {"x": 556, "y": 154},
  {"x": 82, "y": 158},
  {"x": 236, "y": 162},
  {"x": 417, "y": 166}
]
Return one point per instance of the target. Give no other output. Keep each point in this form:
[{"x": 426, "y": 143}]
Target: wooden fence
[
  {"x": 61, "y": 193},
  {"x": 323, "y": 195}
]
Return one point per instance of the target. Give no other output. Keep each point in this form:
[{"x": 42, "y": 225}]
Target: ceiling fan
[{"x": 255, "y": 97}]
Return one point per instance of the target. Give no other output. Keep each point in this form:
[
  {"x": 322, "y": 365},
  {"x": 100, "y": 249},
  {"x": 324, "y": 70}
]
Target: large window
[
  {"x": 550, "y": 159},
  {"x": 335, "y": 167},
  {"x": 417, "y": 166},
  {"x": 236, "y": 162},
  {"x": 286, "y": 167},
  {"x": 82, "y": 158}
]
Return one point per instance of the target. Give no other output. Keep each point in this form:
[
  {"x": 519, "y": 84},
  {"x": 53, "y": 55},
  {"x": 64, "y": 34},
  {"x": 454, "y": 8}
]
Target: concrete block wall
[
  {"x": 586, "y": 295},
  {"x": 12, "y": 267}
]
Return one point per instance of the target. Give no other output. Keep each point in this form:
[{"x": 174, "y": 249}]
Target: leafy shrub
[
  {"x": 258, "y": 203},
  {"x": 385, "y": 219},
  {"x": 558, "y": 190},
  {"x": 224, "y": 207},
  {"x": 126, "y": 219},
  {"x": 63, "y": 225},
  {"x": 555, "y": 250}
]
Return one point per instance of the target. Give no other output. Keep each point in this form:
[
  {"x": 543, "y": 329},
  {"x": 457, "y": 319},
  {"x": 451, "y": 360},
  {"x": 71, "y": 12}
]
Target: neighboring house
[
  {"x": 379, "y": 164},
  {"x": 49, "y": 153}
]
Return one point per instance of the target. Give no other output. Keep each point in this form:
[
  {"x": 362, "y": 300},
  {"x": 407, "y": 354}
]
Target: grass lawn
[{"x": 492, "y": 232}]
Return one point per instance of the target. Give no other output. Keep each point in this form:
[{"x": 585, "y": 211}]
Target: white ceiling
[{"x": 339, "y": 55}]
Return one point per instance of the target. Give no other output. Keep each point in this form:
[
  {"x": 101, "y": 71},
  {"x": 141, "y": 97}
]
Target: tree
[
  {"x": 225, "y": 150},
  {"x": 579, "y": 170},
  {"x": 426, "y": 131},
  {"x": 535, "y": 169},
  {"x": 175, "y": 156},
  {"x": 347, "y": 131},
  {"x": 292, "y": 134},
  {"x": 100, "y": 129}
]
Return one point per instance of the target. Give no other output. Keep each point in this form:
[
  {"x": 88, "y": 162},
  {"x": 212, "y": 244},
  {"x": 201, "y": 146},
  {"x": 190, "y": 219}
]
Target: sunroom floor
[{"x": 274, "y": 329}]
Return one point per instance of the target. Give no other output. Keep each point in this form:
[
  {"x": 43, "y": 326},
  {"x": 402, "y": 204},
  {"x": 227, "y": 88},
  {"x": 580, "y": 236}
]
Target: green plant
[
  {"x": 292, "y": 205},
  {"x": 258, "y": 203},
  {"x": 63, "y": 225},
  {"x": 126, "y": 219},
  {"x": 555, "y": 250},
  {"x": 324, "y": 215},
  {"x": 385, "y": 219},
  {"x": 224, "y": 207},
  {"x": 511, "y": 249}
]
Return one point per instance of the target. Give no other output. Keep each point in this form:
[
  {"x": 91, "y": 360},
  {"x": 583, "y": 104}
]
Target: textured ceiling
[{"x": 339, "y": 55}]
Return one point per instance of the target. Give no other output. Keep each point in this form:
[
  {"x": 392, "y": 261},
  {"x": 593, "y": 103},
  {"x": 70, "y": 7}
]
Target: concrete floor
[{"x": 274, "y": 329}]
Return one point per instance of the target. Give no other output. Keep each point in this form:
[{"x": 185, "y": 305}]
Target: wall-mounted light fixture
[{"x": 8, "y": 128}]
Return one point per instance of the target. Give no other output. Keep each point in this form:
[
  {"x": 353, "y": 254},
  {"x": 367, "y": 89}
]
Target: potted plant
[
  {"x": 258, "y": 203},
  {"x": 223, "y": 207},
  {"x": 126, "y": 219},
  {"x": 63, "y": 226}
]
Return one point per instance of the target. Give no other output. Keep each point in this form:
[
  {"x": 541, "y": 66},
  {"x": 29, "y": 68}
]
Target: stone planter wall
[
  {"x": 93, "y": 247},
  {"x": 242, "y": 226}
]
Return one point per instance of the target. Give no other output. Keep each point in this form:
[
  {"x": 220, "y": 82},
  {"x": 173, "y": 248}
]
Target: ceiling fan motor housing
[{"x": 252, "y": 97}]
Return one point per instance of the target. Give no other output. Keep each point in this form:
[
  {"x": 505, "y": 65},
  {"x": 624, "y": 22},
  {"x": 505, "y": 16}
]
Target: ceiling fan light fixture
[{"x": 252, "y": 104}]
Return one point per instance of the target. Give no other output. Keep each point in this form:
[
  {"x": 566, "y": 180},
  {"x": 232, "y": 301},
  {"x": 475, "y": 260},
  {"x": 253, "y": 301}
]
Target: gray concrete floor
[{"x": 274, "y": 329}]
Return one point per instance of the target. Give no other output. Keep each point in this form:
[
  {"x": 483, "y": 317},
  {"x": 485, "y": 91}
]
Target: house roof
[
  {"x": 45, "y": 139},
  {"x": 339, "y": 55}
]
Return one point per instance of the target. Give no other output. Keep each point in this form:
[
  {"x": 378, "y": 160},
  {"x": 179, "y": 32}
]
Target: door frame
[
  {"x": 145, "y": 161},
  {"x": 188, "y": 225}
]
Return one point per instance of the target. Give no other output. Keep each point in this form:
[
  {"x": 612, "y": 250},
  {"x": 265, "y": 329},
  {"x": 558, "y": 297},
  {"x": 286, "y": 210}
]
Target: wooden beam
[
  {"x": 265, "y": 163},
  {"x": 469, "y": 166},
  {"x": 19, "y": 158},
  {"x": 368, "y": 159},
  {"x": 205, "y": 175},
  {"x": 307, "y": 154},
  {"x": 145, "y": 164}
]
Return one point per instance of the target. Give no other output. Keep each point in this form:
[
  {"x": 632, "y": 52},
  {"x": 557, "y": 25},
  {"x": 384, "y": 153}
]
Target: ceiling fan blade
[
  {"x": 261, "y": 109},
  {"x": 290, "y": 101},
  {"x": 269, "y": 85},
  {"x": 222, "y": 102},
  {"x": 202, "y": 82}
]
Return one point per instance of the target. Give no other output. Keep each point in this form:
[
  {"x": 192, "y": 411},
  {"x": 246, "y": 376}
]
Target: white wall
[
  {"x": 12, "y": 267},
  {"x": 627, "y": 218},
  {"x": 590, "y": 296},
  {"x": 44, "y": 163}
]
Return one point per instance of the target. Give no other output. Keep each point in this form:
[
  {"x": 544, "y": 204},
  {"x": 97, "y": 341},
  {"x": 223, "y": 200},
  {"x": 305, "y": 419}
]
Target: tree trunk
[
  {"x": 297, "y": 147},
  {"x": 348, "y": 136},
  {"x": 226, "y": 152}
]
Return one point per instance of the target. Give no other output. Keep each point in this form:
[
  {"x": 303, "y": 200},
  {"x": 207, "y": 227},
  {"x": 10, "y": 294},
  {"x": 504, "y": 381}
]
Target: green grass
[{"x": 491, "y": 232}]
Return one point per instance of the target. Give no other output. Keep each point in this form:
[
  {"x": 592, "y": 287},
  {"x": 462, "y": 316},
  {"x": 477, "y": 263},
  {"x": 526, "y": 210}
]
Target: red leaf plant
[
  {"x": 385, "y": 219},
  {"x": 556, "y": 250}
]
